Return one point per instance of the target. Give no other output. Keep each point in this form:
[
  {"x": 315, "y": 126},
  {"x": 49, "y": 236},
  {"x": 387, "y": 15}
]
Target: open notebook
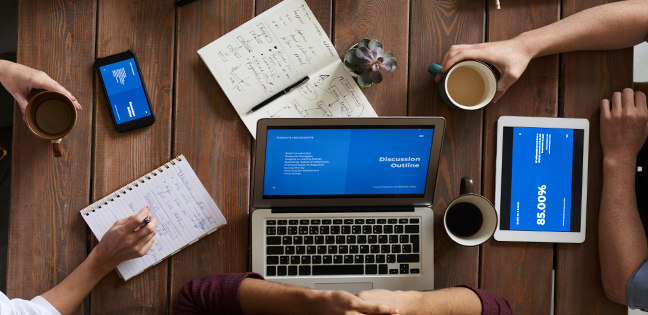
[
  {"x": 275, "y": 50},
  {"x": 184, "y": 209}
]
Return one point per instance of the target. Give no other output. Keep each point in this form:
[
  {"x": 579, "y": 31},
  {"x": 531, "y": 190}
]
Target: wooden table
[{"x": 48, "y": 237}]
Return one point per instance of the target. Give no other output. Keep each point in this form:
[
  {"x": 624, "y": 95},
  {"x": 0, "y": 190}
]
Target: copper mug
[{"x": 51, "y": 116}]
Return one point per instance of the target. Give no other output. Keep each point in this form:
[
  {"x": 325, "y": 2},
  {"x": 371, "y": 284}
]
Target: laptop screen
[{"x": 346, "y": 162}]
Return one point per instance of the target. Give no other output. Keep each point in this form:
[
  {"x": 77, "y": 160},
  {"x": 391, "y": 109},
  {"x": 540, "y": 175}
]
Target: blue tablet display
[
  {"x": 346, "y": 162},
  {"x": 125, "y": 91},
  {"x": 541, "y": 179}
]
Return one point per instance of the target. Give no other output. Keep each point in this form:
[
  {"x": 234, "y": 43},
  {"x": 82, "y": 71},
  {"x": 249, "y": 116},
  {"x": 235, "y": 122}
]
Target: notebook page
[
  {"x": 183, "y": 207},
  {"x": 269, "y": 53},
  {"x": 330, "y": 92}
]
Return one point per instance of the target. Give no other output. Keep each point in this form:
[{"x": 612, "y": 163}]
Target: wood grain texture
[
  {"x": 439, "y": 25},
  {"x": 47, "y": 236},
  {"x": 211, "y": 135},
  {"x": 387, "y": 21},
  {"x": 321, "y": 9},
  {"x": 588, "y": 77},
  {"x": 520, "y": 272},
  {"x": 148, "y": 29}
]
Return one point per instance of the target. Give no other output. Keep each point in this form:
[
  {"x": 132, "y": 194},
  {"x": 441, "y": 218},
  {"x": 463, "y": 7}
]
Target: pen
[
  {"x": 276, "y": 96},
  {"x": 147, "y": 220}
]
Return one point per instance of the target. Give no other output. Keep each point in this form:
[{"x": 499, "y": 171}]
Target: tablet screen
[{"x": 542, "y": 172}]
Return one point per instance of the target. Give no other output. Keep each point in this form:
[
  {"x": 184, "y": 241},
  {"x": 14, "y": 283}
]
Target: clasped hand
[{"x": 366, "y": 302}]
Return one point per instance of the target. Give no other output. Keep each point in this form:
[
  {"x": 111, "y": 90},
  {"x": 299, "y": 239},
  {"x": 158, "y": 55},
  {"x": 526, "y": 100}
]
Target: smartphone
[{"x": 125, "y": 92}]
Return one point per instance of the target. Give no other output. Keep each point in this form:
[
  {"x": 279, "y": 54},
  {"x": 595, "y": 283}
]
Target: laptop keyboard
[{"x": 342, "y": 246}]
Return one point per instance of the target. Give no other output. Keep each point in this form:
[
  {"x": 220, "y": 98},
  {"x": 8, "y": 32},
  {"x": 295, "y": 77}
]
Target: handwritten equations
[
  {"x": 183, "y": 207},
  {"x": 273, "y": 51}
]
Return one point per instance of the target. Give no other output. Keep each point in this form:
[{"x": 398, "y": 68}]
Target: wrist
[
  {"x": 619, "y": 162},
  {"x": 308, "y": 299},
  {"x": 102, "y": 265},
  {"x": 528, "y": 44}
]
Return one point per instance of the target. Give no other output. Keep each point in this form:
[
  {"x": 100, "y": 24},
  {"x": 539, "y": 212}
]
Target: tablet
[{"x": 541, "y": 179}]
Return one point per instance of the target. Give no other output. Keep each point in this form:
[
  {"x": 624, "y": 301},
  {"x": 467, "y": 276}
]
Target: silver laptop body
[{"x": 344, "y": 203}]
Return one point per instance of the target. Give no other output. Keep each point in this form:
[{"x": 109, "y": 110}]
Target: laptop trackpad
[{"x": 351, "y": 287}]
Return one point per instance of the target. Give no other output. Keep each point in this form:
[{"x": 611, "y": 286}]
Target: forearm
[
  {"x": 265, "y": 297},
  {"x": 69, "y": 294},
  {"x": 622, "y": 240},
  {"x": 449, "y": 301},
  {"x": 611, "y": 26}
]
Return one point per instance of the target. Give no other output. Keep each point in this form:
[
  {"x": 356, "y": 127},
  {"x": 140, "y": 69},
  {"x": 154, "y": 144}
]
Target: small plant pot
[
  {"x": 369, "y": 56},
  {"x": 354, "y": 74}
]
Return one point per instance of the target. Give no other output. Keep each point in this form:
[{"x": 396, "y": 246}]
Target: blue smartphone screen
[{"x": 125, "y": 92}]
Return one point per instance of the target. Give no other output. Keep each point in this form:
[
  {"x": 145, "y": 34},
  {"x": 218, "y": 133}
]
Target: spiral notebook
[{"x": 184, "y": 209}]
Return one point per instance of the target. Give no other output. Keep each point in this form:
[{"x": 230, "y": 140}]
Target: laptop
[{"x": 344, "y": 203}]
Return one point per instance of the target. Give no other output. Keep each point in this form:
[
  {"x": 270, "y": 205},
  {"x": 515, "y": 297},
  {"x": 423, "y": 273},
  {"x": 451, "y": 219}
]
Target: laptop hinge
[{"x": 342, "y": 209}]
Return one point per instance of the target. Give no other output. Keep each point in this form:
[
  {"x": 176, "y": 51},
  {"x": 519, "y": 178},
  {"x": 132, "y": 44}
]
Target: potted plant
[{"x": 366, "y": 60}]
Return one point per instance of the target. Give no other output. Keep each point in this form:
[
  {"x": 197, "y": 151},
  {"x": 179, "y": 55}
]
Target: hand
[
  {"x": 624, "y": 126},
  {"x": 405, "y": 301},
  {"x": 122, "y": 242},
  {"x": 508, "y": 56},
  {"x": 19, "y": 80},
  {"x": 345, "y": 303}
]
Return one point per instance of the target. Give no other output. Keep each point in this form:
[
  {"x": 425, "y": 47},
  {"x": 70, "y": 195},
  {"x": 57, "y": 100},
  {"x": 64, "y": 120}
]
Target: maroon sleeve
[
  {"x": 210, "y": 294},
  {"x": 492, "y": 304}
]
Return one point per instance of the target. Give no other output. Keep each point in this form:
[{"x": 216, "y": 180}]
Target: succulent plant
[{"x": 367, "y": 59}]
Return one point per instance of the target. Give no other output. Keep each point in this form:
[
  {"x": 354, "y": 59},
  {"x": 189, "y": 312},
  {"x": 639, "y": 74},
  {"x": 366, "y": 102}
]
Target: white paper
[
  {"x": 275, "y": 50},
  {"x": 184, "y": 209}
]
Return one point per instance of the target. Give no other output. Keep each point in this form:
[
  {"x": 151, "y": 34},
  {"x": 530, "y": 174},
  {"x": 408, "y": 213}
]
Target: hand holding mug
[
  {"x": 19, "y": 80},
  {"x": 510, "y": 57}
]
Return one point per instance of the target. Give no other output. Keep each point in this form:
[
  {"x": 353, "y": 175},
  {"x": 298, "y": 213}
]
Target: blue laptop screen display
[
  {"x": 544, "y": 184},
  {"x": 347, "y": 162}
]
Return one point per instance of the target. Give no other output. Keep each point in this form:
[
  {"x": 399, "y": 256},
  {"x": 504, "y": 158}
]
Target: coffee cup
[
  {"x": 470, "y": 219},
  {"x": 51, "y": 116},
  {"x": 468, "y": 85}
]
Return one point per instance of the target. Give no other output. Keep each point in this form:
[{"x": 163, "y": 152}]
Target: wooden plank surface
[
  {"x": 588, "y": 77},
  {"x": 520, "y": 272},
  {"x": 47, "y": 236},
  {"x": 148, "y": 29},
  {"x": 439, "y": 25},
  {"x": 388, "y": 22},
  {"x": 211, "y": 135}
]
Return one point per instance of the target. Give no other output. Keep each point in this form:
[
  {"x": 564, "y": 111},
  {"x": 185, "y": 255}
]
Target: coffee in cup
[
  {"x": 51, "y": 116},
  {"x": 467, "y": 85},
  {"x": 470, "y": 219}
]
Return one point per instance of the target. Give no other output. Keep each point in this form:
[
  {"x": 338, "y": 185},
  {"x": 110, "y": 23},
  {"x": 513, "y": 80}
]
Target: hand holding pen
[{"x": 128, "y": 238}]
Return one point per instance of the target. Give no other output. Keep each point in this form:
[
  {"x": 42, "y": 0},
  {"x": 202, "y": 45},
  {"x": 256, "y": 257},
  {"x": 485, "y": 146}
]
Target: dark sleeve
[
  {"x": 492, "y": 304},
  {"x": 211, "y": 294}
]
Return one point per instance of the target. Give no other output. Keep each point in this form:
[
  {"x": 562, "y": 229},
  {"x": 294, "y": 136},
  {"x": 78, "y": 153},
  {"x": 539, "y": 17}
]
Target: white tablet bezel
[{"x": 541, "y": 122}]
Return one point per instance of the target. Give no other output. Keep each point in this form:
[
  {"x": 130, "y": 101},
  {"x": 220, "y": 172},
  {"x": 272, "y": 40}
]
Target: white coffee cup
[{"x": 457, "y": 84}]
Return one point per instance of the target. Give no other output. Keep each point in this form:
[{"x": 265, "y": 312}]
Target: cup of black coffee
[{"x": 470, "y": 219}]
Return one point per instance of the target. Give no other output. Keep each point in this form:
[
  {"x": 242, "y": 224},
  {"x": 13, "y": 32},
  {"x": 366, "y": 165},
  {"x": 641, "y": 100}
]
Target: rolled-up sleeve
[
  {"x": 210, "y": 294},
  {"x": 37, "y": 306},
  {"x": 637, "y": 288}
]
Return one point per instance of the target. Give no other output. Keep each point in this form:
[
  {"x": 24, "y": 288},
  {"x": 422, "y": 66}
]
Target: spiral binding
[{"x": 116, "y": 194}]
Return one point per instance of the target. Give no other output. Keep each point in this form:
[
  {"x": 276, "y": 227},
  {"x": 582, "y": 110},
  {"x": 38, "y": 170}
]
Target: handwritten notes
[
  {"x": 273, "y": 51},
  {"x": 183, "y": 207}
]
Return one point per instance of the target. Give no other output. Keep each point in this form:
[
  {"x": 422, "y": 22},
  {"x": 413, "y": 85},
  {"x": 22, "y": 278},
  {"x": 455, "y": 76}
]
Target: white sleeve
[{"x": 36, "y": 306}]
